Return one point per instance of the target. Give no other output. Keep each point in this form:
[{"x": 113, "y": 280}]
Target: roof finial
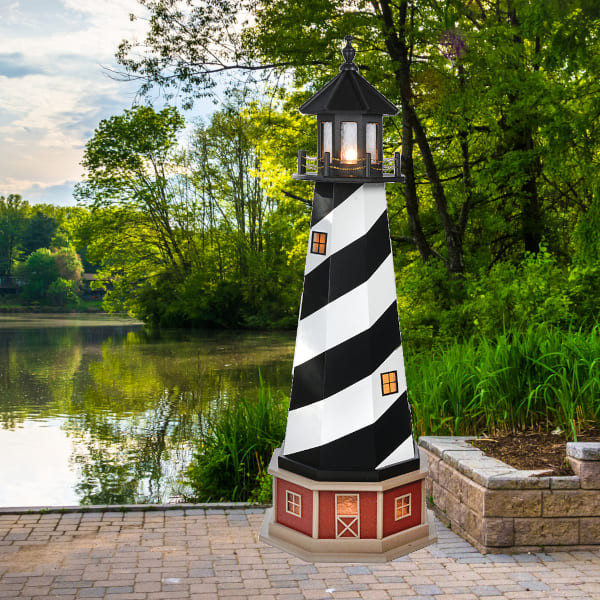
[{"x": 348, "y": 53}]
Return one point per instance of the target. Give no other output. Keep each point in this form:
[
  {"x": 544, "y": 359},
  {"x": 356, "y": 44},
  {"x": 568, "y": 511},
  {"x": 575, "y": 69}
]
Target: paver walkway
[{"x": 214, "y": 554}]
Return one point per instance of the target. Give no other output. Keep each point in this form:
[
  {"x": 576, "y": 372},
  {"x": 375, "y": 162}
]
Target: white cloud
[{"x": 54, "y": 90}]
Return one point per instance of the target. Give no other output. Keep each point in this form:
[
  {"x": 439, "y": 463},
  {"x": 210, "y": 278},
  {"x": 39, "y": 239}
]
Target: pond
[{"x": 98, "y": 410}]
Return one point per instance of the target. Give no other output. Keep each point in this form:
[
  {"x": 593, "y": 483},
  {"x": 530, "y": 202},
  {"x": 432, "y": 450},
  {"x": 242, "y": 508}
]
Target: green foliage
[
  {"x": 540, "y": 377},
  {"x": 513, "y": 297},
  {"x": 498, "y": 128},
  {"x": 38, "y": 272},
  {"x": 68, "y": 264},
  {"x": 62, "y": 291},
  {"x": 13, "y": 217},
  {"x": 435, "y": 310},
  {"x": 234, "y": 449},
  {"x": 53, "y": 276},
  {"x": 189, "y": 235},
  {"x": 38, "y": 232}
]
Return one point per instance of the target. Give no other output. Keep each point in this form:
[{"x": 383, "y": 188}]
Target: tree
[
  {"x": 131, "y": 165},
  {"x": 487, "y": 91},
  {"x": 38, "y": 272},
  {"x": 144, "y": 210},
  {"x": 62, "y": 291},
  {"x": 51, "y": 275},
  {"x": 69, "y": 265},
  {"x": 248, "y": 221},
  {"x": 13, "y": 216},
  {"x": 38, "y": 232}
]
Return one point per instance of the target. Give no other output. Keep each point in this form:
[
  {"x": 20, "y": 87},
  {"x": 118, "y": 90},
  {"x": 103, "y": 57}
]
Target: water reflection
[{"x": 128, "y": 401}]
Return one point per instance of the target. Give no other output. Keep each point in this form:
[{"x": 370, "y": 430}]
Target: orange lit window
[
  {"x": 319, "y": 241},
  {"x": 293, "y": 504},
  {"x": 402, "y": 507},
  {"x": 346, "y": 515},
  {"x": 389, "y": 383}
]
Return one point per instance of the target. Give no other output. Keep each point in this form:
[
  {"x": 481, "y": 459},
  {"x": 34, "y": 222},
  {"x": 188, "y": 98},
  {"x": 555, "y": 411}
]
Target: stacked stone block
[{"x": 502, "y": 509}]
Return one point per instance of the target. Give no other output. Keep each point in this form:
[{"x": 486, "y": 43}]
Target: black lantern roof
[{"x": 348, "y": 91}]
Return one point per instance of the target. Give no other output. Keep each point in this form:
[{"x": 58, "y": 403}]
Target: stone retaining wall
[{"x": 502, "y": 509}]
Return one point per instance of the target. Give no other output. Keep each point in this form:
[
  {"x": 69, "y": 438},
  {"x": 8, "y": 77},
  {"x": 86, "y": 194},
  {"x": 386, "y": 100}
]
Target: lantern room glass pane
[
  {"x": 326, "y": 137},
  {"x": 349, "y": 152},
  {"x": 372, "y": 141}
]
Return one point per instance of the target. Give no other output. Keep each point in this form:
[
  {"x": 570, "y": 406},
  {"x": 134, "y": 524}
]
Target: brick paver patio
[{"x": 214, "y": 554}]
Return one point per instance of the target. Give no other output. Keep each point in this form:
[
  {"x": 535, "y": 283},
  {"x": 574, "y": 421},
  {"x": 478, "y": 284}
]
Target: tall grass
[
  {"x": 541, "y": 378},
  {"x": 235, "y": 447}
]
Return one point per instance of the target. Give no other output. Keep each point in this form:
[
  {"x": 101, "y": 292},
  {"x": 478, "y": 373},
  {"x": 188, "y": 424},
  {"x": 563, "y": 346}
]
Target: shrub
[
  {"x": 37, "y": 273},
  {"x": 235, "y": 448},
  {"x": 62, "y": 291}
]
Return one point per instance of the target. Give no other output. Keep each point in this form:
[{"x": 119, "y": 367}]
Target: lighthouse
[{"x": 348, "y": 479}]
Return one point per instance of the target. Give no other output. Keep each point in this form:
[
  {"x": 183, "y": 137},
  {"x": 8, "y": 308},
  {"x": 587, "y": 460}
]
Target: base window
[
  {"x": 319, "y": 242},
  {"x": 389, "y": 383},
  {"x": 402, "y": 507},
  {"x": 293, "y": 503}
]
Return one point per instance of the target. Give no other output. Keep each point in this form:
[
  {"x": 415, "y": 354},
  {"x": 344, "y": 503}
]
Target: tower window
[
  {"x": 402, "y": 507},
  {"x": 389, "y": 383},
  {"x": 293, "y": 503},
  {"x": 319, "y": 241}
]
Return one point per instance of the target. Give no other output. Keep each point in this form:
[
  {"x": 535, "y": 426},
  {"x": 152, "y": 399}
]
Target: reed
[
  {"x": 235, "y": 447},
  {"x": 541, "y": 378}
]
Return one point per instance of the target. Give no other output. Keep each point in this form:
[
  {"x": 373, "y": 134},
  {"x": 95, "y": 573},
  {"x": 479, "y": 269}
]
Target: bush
[
  {"x": 37, "y": 273},
  {"x": 234, "y": 450},
  {"x": 62, "y": 291},
  {"x": 54, "y": 276},
  {"x": 436, "y": 311}
]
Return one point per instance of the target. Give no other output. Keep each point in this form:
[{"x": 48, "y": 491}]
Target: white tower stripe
[
  {"x": 347, "y": 316},
  {"x": 353, "y": 408},
  {"x": 353, "y": 218},
  {"x": 405, "y": 451}
]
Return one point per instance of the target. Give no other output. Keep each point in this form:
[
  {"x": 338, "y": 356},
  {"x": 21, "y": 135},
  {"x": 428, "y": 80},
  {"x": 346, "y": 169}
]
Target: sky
[{"x": 54, "y": 90}]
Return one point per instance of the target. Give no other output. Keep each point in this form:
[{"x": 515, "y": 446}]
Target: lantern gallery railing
[{"x": 362, "y": 167}]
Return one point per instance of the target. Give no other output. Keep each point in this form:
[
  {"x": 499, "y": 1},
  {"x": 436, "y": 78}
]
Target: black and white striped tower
[{"x": 348, "y": 478}]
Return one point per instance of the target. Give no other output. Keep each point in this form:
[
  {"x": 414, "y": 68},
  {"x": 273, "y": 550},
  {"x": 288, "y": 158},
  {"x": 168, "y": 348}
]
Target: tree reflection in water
[{"x": 131, "y": 400}]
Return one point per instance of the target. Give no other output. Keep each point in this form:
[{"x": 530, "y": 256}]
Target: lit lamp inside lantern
[{"x": 349, "y": 152}]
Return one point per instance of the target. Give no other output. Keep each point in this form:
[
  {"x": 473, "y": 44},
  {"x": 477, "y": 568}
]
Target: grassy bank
[{"x": 13, "y": 305}]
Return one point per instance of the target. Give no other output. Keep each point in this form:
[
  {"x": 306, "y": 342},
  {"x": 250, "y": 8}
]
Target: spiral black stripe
[
  {"x": 355, "y": 357},
  {"x": 328, "y": 196},
  {"x": 347, "y": 268},
  {"x": 346, "y": 363},
  {"x": 355, "y": 456}
]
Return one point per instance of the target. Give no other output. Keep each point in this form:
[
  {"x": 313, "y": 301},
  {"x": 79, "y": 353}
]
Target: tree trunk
[{"x": 398, "y": 50}]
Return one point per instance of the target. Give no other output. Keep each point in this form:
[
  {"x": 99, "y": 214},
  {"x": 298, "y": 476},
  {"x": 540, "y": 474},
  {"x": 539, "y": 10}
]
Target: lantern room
[{"x": 349, "y": 114}]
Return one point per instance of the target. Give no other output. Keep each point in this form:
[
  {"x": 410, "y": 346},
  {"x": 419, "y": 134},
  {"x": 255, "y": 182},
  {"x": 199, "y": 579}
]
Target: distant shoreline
[
  {"x": 52, "y": 309},
  {"x": 49, "y": 318}
]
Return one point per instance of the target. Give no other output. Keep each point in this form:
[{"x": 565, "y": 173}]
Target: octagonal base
[{"x": 360, "y": 521}]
